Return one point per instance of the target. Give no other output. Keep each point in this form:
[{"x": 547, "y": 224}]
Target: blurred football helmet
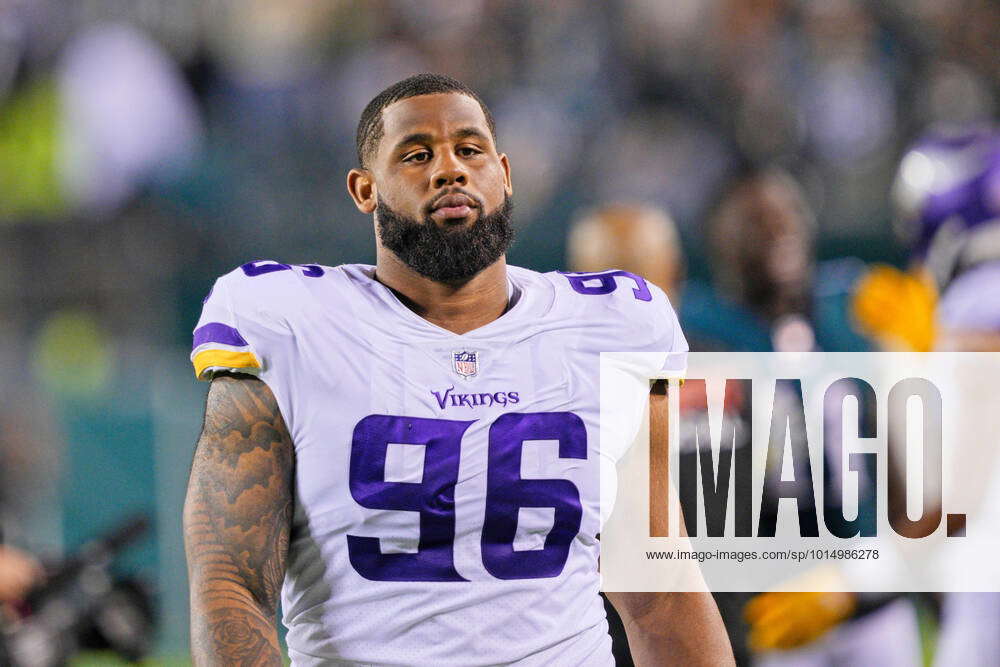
[{"x": 947, "y": 198}]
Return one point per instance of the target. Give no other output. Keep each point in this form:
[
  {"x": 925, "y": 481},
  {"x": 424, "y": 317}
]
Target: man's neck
[{"x": 457, "y": 307}]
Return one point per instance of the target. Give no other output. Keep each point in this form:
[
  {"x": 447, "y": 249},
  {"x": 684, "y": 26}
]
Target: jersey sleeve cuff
[
  {"x": 208, "y": 361},
  {"x": 220, "y": 347},
  {"x": 674, "y": 366}
]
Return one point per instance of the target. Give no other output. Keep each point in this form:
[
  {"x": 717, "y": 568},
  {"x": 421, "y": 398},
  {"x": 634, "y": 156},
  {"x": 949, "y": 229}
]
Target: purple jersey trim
[{"x": 216, "y": 332}]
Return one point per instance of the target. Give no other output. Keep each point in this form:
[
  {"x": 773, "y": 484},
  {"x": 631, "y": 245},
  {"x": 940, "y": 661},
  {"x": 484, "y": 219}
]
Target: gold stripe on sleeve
[{"x": 223, "y": 359}]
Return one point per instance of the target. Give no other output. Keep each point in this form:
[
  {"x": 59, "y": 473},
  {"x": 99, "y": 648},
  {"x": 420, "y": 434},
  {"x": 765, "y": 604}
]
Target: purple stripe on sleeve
[{"x": 216, "y": 332}]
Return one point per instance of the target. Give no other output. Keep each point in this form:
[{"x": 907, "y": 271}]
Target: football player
[
  {"x": 407, "y": 453},
  {"x": 18, "y": 573},
  {"x": 947, "y": 192}
]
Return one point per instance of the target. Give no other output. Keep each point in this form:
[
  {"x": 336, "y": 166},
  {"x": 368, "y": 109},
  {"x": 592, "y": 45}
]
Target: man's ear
[
  {"x": 361, "y": 186},
  {"x": 508, "y": 187}
]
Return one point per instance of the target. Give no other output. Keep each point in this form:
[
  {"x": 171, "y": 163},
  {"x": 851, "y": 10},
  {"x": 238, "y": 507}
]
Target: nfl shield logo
[{"x": 466, "y": 363}]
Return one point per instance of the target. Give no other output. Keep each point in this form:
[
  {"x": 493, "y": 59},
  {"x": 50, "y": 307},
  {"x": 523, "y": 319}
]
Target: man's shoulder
[
  {"x": 254, "y": 311},
  {"x": 613, "y": 291},
  {"x": 611, "y": 282},
  {"x": 279, "y": 285},
  {"x": 614, "y": 311},
  {"x": 284, "y": 273},
  {"x": 614, "y": 304}
]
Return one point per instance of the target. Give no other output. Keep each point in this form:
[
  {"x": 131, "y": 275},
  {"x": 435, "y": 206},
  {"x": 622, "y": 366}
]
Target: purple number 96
[
  {"x": 259, "y": 268},
  {"x": 434, "y": 495},
  {"x": 580, "y": 282}
]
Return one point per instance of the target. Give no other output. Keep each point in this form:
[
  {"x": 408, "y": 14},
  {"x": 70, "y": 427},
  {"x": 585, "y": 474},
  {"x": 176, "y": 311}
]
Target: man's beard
[{"x": 446, "y": 254}]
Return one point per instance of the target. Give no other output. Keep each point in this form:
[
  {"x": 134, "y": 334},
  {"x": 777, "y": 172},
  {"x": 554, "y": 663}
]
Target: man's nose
[{"x": 449, "y": 172}]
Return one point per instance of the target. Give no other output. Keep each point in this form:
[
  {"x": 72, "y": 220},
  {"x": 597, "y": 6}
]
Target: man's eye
[
  {"x": 422, "y": 156},
  {"x": 468, "y": 151}
]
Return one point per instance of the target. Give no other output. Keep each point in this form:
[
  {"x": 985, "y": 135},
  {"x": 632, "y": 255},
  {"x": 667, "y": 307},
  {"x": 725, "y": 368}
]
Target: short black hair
[{"x": 370, "y": 128}]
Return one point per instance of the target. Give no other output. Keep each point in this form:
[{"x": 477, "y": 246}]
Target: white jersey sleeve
[
  {"x": 220, "y": 337},
  {"x": 631, "y": 318},
  {"x": 659, "y": 349},
  {"x": 247, "y": 321},
  {"x": 249, "y": 324}
]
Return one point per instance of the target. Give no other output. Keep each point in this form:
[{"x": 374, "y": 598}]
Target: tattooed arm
[{"x": 236, "y": 524}]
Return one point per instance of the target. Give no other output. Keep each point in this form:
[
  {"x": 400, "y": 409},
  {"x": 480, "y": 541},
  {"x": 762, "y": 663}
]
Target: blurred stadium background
[{"x": 147, "y": 147}]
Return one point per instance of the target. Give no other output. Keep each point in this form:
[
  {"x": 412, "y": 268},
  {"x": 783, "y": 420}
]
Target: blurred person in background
[
  {"x": 637, "y": 238},
  {"x": 29, "y": 468},
  {"x": 768, "y": 293},
  {"x": 760, "y": 242},
  {"x": 771, "y": 296},
  {"x": 310, "y": 505},
  {"x": 947, "y": 197},
  {"x": 20, "y": 460},
  {"x": 19, "y": 572}
]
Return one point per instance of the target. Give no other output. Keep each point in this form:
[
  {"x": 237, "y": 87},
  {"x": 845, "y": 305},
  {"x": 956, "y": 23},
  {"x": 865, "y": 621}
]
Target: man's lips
[
  {"x": 451, "y": 212},
  {"x": 451, "y": 207}
]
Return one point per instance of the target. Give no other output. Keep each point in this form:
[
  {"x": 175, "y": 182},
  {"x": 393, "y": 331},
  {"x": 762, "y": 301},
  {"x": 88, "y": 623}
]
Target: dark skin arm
[
  {"x": 671, "y": 628},
  {"x": 237, "y": 517}
]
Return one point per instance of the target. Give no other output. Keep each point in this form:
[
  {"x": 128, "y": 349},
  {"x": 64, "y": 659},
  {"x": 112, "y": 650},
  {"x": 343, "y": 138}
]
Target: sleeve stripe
[
  {"x": 223, "y": 359},
  {"x": 216, "y": 332}
]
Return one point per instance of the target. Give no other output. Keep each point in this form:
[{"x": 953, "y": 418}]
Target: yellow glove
[
  {"x": 789, "y": 620},
  {"x": 896, "y": 308}
]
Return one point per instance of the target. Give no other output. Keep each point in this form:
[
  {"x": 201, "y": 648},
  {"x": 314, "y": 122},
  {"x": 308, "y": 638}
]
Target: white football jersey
[{"x": 447, "y": 487}]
